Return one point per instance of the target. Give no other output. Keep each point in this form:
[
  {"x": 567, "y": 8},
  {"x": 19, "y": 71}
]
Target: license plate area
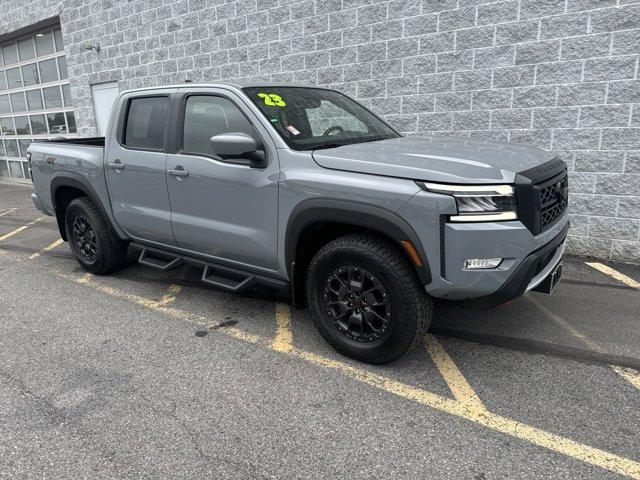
[{"x": 550, "y": 281}]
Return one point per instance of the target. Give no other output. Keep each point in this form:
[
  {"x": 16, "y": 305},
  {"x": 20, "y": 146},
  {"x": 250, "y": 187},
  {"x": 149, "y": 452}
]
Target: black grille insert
[
  {"x": 542, "y": 195},
  {"x": 554, "y": 198}
]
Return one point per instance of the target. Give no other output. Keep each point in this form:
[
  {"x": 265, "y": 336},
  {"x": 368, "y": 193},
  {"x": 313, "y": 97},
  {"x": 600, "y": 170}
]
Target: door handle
[
  {"x": 116, "y": 165},
  {"x": 179, "y": 172}
]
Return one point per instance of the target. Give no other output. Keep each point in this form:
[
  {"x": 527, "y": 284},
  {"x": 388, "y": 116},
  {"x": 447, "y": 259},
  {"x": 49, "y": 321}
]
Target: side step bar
[
  {"x": 151, "y": 257},
  {"x": 221, "y": 276},
  {"x": 226, "y": 277}
]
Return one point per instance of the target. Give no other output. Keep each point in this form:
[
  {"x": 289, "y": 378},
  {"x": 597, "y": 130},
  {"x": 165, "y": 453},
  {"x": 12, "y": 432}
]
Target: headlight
[{"x": 478, "y": 203}]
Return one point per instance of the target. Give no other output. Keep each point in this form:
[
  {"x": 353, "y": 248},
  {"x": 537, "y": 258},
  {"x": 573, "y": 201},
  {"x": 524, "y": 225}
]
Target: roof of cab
[{"x": 234, "y": 85}]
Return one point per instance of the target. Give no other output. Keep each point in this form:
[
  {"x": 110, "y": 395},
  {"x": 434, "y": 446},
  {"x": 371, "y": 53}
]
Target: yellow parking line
[
  {"x": 47, "y": 249},
  {"x": 629, "y": 374},
  {"x": 13, "y": 232},
  {"x": 553, "y": 442},
  {"x": 621, "y": 277},
  {"x": 456, "y": 382},
  {"x": 7, "y": 212},
  {"x": 169, "y": 297},
  {"x": 19, "y": 229},
  {"x": 87, "y": 279},
  {"x": 199, "y": 320},
  {"x": 542, "y": 438},
  {"x": 571, "y": 448},
  {"x": 284, "y": 336}
]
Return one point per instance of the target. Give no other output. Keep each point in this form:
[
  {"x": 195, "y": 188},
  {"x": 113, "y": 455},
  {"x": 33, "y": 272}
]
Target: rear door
[
  {"x": 136, "y": 165},
  {"x": 223, "y": 209}
]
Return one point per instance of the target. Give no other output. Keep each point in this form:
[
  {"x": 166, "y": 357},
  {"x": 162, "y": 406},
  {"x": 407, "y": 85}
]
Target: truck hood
[{"x": 435, "y": 159}]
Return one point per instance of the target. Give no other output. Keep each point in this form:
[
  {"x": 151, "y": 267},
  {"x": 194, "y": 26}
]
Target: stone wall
[{"x": 560, "y": 74}]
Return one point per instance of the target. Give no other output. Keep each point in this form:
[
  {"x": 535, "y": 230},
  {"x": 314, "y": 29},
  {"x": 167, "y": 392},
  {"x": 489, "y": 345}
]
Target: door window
[
  {"x": 206, "y": 116},
  {"x": 144, "y": 128}
]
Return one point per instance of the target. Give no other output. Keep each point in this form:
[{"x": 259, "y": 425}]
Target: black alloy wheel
[
  {"x": 366, "y": 299},
  {"x": 357, "y": 303},
  {"x": 84, "y": 239},
  {"x": 95, "y": 246}
]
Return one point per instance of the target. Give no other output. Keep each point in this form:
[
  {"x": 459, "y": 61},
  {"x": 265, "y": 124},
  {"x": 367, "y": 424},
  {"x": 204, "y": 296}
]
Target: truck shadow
[
  {"x": 191, "y": 276},
  {"x": 533, "y": 323},
  {"x": 539, "y": 324}
]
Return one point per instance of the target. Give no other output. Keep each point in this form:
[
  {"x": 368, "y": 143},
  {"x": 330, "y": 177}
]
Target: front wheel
[
  {"x": 366, "y": 298},
  {"x": 95, "y": 247}
]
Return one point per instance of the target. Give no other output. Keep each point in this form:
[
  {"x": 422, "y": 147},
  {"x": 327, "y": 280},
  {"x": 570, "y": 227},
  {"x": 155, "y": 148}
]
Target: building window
[{"x": 34, "y": 97}]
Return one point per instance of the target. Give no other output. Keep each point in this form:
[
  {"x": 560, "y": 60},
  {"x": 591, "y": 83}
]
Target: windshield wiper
[
  {"x": 321, "y": 146},
  {"x": 350, "y": 142},
  {"x": 376, "y": 139}
]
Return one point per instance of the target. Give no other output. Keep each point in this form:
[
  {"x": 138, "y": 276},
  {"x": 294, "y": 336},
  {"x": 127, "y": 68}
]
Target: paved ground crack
[{"x": 209, "y": 458}]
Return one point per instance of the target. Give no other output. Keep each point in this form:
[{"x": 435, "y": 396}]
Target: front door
[
  {"x": 223, "y": 209},
  {"x": 136, "y": 167}
]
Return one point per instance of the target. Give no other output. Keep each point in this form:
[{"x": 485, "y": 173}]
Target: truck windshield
[{"x": 313, "y": 118}]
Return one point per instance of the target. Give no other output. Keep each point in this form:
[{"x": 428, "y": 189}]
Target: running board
[
  {"x": 150, "y": 257},
  {"x": 226, "y": 277},
  {"x": 221, "y": 276}
]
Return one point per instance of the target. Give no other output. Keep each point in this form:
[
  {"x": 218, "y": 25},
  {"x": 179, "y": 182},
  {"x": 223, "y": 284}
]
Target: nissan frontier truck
[{"x": 303, "y": 188}]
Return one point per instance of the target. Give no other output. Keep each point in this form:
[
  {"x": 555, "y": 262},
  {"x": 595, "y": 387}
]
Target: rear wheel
[
  {"x": 366, "y": 298},
  {"x": 95, "y": 247}
]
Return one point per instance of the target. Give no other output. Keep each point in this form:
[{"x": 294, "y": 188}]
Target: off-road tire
[
  {"x": 111, "y": 252},
  {"x": 411, "y": 307}
]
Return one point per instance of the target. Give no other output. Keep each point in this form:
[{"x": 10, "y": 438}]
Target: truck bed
[
  {"x": 78, "y": 157},
  {"x": 88, "y": 141}
]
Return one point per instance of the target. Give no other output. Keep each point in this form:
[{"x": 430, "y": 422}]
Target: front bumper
[
  {"x": 527, "y": 276},
  {"x": 447, "y": 245},
  {"x": 550, "y": 267},
  {"x": 511, "y": 241}
]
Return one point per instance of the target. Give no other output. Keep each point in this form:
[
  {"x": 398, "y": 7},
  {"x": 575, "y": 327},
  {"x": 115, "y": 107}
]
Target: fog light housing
[{"x": 481, "y": 263}]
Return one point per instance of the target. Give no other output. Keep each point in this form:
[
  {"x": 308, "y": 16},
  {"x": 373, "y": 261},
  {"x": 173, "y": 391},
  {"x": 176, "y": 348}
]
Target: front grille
[
  {"x": 541, "y": 195},
  {"x": 554, "y": 199}
]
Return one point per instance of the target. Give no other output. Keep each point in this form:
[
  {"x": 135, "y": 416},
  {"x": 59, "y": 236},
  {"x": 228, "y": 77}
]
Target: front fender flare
[{"x": 363, "y": 215}]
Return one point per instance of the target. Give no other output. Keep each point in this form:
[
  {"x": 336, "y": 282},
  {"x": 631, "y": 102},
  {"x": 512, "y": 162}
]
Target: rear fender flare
[{"x": 69, "y": 179}]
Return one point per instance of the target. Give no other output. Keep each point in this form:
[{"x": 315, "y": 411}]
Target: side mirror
[{"x": 238, "y": 146}]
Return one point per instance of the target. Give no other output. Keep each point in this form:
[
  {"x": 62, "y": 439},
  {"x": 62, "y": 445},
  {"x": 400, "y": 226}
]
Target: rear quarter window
[{"x": 145, "y": 123}]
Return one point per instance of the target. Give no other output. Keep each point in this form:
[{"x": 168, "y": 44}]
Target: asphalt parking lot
[{"x": 147, "y": 374}]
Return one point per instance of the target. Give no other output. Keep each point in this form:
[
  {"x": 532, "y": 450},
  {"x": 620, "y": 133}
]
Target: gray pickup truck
[{"x": 304, "y": 188}]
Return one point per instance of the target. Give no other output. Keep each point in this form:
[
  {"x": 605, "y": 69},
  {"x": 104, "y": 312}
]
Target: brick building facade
[{"x": 560, "y": 74}]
